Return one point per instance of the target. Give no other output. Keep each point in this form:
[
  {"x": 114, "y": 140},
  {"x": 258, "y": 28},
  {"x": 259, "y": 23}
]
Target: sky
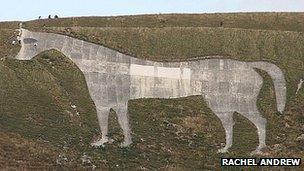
[{"x": 23, "y": 10}]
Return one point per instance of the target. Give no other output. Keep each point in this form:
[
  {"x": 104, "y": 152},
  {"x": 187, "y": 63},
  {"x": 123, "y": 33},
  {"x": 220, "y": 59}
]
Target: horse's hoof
[
  {"x": 100, "y": 143},
  {"x": 256, "y": 152},
  {"x": 97, "y": 144},
  {"x": 125, "y": 144},
  {"x": 222, "y": 150},
  {"x": 110, "y": 141}
]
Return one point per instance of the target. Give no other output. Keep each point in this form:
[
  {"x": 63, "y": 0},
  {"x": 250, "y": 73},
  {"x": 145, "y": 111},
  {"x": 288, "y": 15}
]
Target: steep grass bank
[{"x": 36, "y": 106}]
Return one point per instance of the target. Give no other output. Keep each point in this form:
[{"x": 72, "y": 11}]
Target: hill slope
[
  {"x": 268, "y": 21},
  {"x": 38, "y": 122},
  {"x": 174, "y": 134}
]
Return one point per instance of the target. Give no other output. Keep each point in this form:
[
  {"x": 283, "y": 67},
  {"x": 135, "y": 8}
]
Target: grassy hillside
[
  {"x": 283, "y": 48},
  {"x": 37, "y": 117},
  {"x": 269, "y": 21},
  {"x": 6, "y": 47},
  {"x": 9, "y": 25},
  {"x": 167, "y": 133},
  {"x": 179, "y": 43}
]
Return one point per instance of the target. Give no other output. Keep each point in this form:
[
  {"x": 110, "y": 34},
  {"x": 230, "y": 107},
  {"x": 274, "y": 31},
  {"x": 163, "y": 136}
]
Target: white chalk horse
[{"x": 113, "y": 78}]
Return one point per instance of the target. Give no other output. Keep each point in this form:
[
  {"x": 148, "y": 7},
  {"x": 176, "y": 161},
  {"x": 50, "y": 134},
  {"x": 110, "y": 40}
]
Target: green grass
[
  {"x": 29, "y": 153},
  {"x": 167, "y": 133},
  {"x": 36, "y": 104},
  {"x": 269, "y": 21},
  {"x": 9, "y": 25},
  {"x": 178, "y": 43},
  {"x": 6, "y": 47}
]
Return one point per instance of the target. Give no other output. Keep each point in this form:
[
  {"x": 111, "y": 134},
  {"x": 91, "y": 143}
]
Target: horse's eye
[{"x": 30, "y": 41}]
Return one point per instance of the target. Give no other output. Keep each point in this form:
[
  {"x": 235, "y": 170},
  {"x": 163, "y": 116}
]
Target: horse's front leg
[
  {"x": 103, "y": 115},
  {"x": 123, "y": 120}
]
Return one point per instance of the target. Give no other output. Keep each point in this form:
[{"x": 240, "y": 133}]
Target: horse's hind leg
[
  {"x": 260, "y": 123},
  {"x": 102, "y": 115},
  {"x": 227, "y": 122},
  {"x": 123, "y": 120}
]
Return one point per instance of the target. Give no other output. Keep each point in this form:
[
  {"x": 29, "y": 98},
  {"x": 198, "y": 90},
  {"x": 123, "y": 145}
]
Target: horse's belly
[
  {"x": 159, "y": 82},
  {"x": 153, "y": 87}
]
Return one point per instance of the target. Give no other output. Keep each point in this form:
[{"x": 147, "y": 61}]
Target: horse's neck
[
  {"x": 82, "y": 53},
  {"x": 88, "y": 56}
]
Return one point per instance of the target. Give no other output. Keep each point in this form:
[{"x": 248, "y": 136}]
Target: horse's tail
[{"x": 278, "y": 80}]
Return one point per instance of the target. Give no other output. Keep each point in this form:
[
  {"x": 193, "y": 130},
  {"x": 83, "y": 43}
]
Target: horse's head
[{"x": 31, "y": 44}]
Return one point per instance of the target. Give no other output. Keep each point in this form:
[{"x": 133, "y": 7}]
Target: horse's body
[{"x": 113, "y": 78}]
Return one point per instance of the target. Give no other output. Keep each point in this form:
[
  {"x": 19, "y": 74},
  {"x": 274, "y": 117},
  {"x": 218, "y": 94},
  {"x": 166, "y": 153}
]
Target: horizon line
[{"x": 147, "y": 14}]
